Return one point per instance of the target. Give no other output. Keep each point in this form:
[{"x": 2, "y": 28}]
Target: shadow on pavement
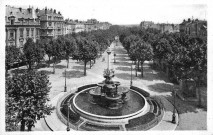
[
  {"x": 45, "y": 72},
  {"x": 121, "y": 59},
  {"x": 80, "y": 67},
  {"x": 125, "y": 76},
  {"x": 60, "y": 66},
  {"x": 121, "y": 55},
  {"x": 122, "y": 63},
  {"x": 73, "y": 74},
  {"x": 124, "y": 69},
  {"x": 150, "y": 74},
  {"x": 161, "y": 87},
  {"x": 184, "y": 106}
]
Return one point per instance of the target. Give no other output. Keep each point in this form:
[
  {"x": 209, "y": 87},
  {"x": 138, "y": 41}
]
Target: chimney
[
  {"x": 45, "y": 10},
  {"x": 54, "y": 11},
  {"x": 29, "y": 10},
  {"x": 51, "y": 10},
  {"x": 36, "y": 10},
  {"x": 20, "y": 9},
  {"x": 59, "y": 13}
]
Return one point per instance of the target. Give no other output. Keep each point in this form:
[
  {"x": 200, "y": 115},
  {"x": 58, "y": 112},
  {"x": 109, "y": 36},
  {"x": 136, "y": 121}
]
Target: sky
[{"x": 122, "y": 11}]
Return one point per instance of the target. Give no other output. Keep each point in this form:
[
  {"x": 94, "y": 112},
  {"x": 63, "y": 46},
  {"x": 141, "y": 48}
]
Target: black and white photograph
[{"x": 130, "y": 66}]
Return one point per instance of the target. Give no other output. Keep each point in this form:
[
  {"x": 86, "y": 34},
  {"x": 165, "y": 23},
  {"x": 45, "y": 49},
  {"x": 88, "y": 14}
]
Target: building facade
[
  {"x": 195, "y": 28},
  {"x": 146, "y": 24},
  {"x": 52, "y": 23},
  {"x": 21, "y": 24},
  {"x": 163, "y": 27}
]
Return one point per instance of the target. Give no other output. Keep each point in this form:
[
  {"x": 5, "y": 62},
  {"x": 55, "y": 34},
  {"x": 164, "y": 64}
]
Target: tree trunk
[
  {"x": 18, "y": 65},
  {"x": 199, "y": 93},
  {"x": 22, "y": 125},
  {"x": 85, "y": 64},
  {"x": 29, "y": 66},
  {"x": 68, "y": 63},
  {"x": 141, "y": 69},
  {"x": 136, "y": 71},
  {"x": 54, "y": 65},
  {"x": 29, "y": 128},
  {"x": 90, "y": 64},
  {"x": 49, "y": 62},
  {"x": 94, "y": 61},
  {"x": 30, "y": 125},
  {"x": 138, "y": 65}
]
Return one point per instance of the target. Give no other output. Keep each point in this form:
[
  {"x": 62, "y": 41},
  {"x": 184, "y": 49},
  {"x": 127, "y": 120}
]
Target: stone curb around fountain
[
  {"x": 55, "y": 124},
  {"x": 165, "y": 123},
  {"x": 52, "y": 121}
]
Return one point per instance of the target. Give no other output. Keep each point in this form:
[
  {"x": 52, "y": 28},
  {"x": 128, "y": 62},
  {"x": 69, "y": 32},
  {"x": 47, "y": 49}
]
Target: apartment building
[
  {"x": 194, "y": 27},
  {"x": 52, "y": 23},
  {"x": 21, "y": 24}
]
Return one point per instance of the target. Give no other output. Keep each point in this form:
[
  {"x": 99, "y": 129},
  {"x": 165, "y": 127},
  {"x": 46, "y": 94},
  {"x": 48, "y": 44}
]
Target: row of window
[
  {"x": 12, "y": 21},
  {"x": 197, "y": 31},
  {"x": 55, "y": 18},
  {"x": 27, "y": 32}
]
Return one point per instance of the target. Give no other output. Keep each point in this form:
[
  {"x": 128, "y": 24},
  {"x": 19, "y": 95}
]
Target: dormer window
[{"x": 12, "y": 22}]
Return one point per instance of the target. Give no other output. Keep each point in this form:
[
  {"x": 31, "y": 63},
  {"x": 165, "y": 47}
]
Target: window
[
  {"x": 21, "y": 32},
  {"x": 37, "y": 32},
  {"x": 32, "y": 32},
  {"x": 28, "y": 32},
  {"x": 49, "y": 23},
  {"x": 11, "y": 35},
  {"x": 21, "y": 44},
  {"x": 12, "y": 22},
  {"x": 49, "y": 17}
]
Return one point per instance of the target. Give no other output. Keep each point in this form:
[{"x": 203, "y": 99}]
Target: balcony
[
  {"x": 50, "y": 27},
  {"x": 47, "y": 35}
]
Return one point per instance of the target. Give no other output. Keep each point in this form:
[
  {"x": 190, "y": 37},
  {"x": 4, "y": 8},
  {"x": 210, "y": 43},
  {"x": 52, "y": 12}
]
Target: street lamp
[
  {"x": 173, "y": 115},
  {"x": 65, "y": 87},
  {"x": 114, "y": 57},
  {"x": 131, "y": 76},
  {"x": 114, "y": 51},
  {"x": 68, "y": 118}
]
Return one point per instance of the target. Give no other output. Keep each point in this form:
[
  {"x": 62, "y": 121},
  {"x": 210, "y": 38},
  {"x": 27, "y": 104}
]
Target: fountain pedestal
[{"x": 108, "y": 94}]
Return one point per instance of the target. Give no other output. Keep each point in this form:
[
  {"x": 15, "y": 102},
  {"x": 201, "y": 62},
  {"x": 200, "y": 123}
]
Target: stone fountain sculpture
[{"x": 108, "y": 94}]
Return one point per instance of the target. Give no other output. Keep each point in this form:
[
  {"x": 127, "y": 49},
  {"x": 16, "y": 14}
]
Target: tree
[
  {"x": 29, "y": 52},
  {"x": 87, "y": 50},
  {"x": 39, "y": 51},
  {"x": 199, "y": 60},
  {"x": 143, "y": 52},
  {"x": 13, "y": 54},
  {"x": 57, "y": 51},
  {"x": 27, "y": 95},
  {"x": 48, "y": 48},
  {"x": 69, "y": 48}
]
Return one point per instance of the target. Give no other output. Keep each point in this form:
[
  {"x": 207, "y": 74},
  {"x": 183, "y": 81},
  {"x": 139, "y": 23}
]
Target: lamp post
[
  {"x": 114, "y": 57},
  {"x": 68, "y": 117},
  {"x": 131, "y": 76},
  {"x": 108, "y": 52},
  {"x": 65, "y": 87},
  {"x": 114, "y": 52},
  {"x": 173, "y": 115}
]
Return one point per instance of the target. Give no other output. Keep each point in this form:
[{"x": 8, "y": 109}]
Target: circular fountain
[
  {"x": 108, "y": 94},
  {"x": 108, "y": 105}
]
